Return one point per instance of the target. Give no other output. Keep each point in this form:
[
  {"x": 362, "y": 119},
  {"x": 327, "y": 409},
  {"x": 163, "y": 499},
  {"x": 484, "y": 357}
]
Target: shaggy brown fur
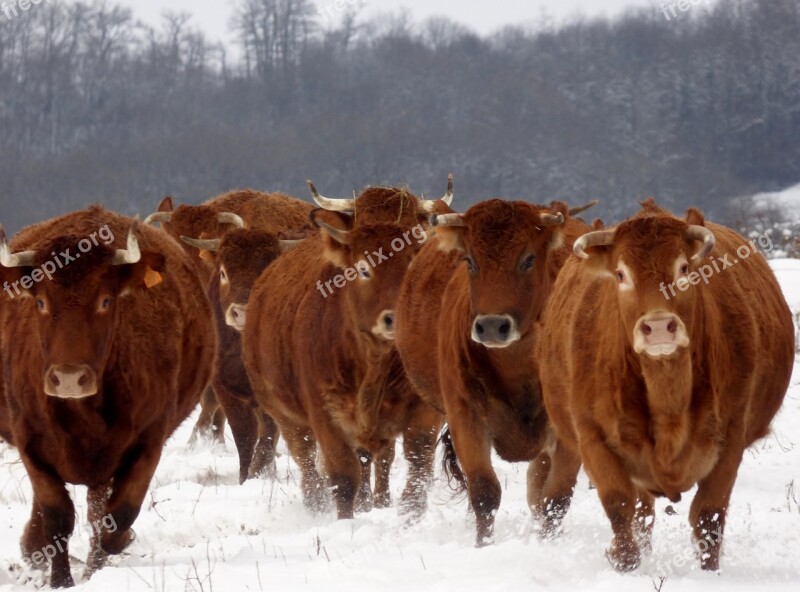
[
  {"x": 104, "y": 317},
  {"x": 490, "y": 396},
  {"x": 649, "y": 426},
  {"x": 317, "y": 367}
]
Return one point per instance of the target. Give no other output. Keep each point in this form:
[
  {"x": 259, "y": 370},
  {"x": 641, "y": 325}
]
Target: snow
[
  {"x": 200, "y": 530},
  {"x": 787, "y": 200}
]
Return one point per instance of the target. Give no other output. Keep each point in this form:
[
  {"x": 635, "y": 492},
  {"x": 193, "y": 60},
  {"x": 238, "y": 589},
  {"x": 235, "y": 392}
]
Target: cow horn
[
  {"x": 9, "y": 259},
  {"x": 203, "y": 244},
  {"x": 581, "y": 209},
  {"x": 337, "y": 234},
  {"x": 288, "y": 245},
  {"x": 230, "y": 218},
  {"x": 447, "y": 220},
  {"x": 551, "y": 219},
  {"x": 428, "y": 206},
  {"x": 332, "y": 205},
  {"x": 704, "y": 235},
  {"x": 158, "y": 217},
  {"x": 130, "y": 255},
  {"x": 600, "y": 238}
]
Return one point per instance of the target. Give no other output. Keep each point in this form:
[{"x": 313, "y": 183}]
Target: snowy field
[{"x": 200, "y": 530}]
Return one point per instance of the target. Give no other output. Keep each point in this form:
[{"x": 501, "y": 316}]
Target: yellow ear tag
[{"x": 152, "y": 278}]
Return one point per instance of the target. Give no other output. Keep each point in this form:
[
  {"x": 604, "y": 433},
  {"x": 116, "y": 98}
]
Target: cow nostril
[
  {"x": 54, "y": 379},
  {"x": 388, "y": 320},
  {"x": 505, "y": 328},
  {"x": 479, "y": 328},
  {"x": 646, "y": 329},
  {"x": 234, "y": 313},
  {"x": 83, "y": 379},
  {"x": 672, "y": 327}
]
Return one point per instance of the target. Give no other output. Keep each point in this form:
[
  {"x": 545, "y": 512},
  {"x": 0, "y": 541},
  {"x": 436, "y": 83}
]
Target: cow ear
[
  {"x": 336, "y": 249},
  {"x": 166, "y": 204},
  {"x": 694, "y": 217},
  {"x": 451, "y": 238},
  {"x": 147, "y": 273},
  {"x": 557, "y": 231},
  {"x": 11, "y": 284}
]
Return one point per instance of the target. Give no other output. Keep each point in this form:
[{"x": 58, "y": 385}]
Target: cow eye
[
  {"x": 471, "y": 264},
  {"x": 105, "y": 304},
  {"x": 529, "y": 262},
  {"x": 620, "y": 276},
  {"x": 223, "y": 276},
  {"x": 364, "y": 273},
  {"x": 41, "y": 305},
  {"x": 684, "y": 270}
]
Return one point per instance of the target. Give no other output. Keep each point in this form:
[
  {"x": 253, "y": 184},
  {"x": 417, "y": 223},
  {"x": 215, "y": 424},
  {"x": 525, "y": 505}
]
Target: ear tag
[{"x": 152, "y": 278}]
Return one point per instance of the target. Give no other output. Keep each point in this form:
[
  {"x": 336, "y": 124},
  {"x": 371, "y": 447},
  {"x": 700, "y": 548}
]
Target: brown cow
[
  {"x": 466, "y": 330},
  {"x": 660, "y": 389},
  {"x": 254, "y": 432},
  {"x": 93, "y": 395},
  {"x": 319, "y": 350}
]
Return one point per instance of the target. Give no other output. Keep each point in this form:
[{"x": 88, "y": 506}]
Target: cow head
[
  {"x": 506, "y": 247},
  {"x": 194, "y": 221},
  {"x": 240, "y": 257},
  {"x": 379, "y": 205},
  {"x": 76, "y": 312},
  {"x": 371, "y": 261},
  {"x": 644, "y": 256}
]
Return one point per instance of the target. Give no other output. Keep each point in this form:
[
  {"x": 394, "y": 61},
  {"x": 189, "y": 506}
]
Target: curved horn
[
  {"x": 337, "y": 234},
  {"x": 600, "y": 238},
  {"x": 158, "y": 217},
  {"x": 447, "y": 220},
  {"x": 204, "y": 245},
  {"x": 288, "y": 245},
  {"x": 551, "y": 219},
  {"x": 581, "y": 209},
  {"x": 704, "y": 235},
  {"x": 9, "y": 259},
  {"x": 230, "y": 218},
  {"x": 333, "y": 205},
  {"x": 130, "y": 255},
  {"x": 428, "y": 206}
]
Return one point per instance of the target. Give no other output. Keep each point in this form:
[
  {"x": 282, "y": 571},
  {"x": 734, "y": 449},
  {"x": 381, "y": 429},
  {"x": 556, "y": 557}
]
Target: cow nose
[
  {"x": 236, "y": 316},
  {"x": 495, "y": 330},
  {"x": 70, "y": 382},
  {"x": 660, "y": 334},
  {"x": 385, "y": 327}
]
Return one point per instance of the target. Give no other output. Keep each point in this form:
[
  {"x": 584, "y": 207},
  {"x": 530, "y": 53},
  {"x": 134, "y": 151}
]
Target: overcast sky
[{"x": 485, "y": 16}]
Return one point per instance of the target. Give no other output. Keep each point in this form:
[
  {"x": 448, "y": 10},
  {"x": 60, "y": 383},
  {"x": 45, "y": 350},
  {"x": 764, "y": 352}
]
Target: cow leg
[
  {"x": 383, "y": 468},
  {"x": 618, "y": 496},
  {"x": 710, "y": 505},
  {"x": 129, "y": 490},
  {"x": 303, "y": 448},
  {"x": 96, "y": 500},
  {"x": 244, "y": 426},
  {"x": 211, "y": 423},
  {"x": 341, "y": 464},
  {"x": 46, "y": 536},
  {"x": 645, "y": 517},
  {"x": 264, "y": 455},
  {"x": 364, "y": 500},
  {"x": 551, "y": 483},
  {"x": 419, "y": 449},
  {"x": 474, "y": 452}
]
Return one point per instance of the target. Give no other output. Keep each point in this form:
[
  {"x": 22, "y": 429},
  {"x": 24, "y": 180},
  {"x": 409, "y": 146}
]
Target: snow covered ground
[
  {"x": 787, "y": 200},
  {"x": 200, "y": 530}
]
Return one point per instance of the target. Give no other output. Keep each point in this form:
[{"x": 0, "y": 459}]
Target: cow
[
  {"x": 255, "y": 433},
  {"x": 319, "y": 350},
  {"x": 112, "y": 347},
  {"x": 666, "y": 350},
  {"x": 465, "y": 331}
]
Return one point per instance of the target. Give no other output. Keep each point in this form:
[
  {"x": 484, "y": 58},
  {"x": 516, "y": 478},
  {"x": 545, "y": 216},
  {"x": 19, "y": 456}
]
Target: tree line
[{"x": 97, "y": 107}]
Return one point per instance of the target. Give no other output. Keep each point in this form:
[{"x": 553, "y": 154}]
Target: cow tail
[{"x": 452, "y": 469}]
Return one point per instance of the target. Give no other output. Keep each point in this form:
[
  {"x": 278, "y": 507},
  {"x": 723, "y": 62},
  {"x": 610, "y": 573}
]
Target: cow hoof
[
  {"x": 383, "y": 500},
  {"x": 623, "y": 558},
  {"x": 61, "y": 580},
  {"x": 114, "y": 545}
]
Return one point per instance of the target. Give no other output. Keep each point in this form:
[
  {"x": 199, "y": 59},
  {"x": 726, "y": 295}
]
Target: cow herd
[{"x": 511, "y": 327}]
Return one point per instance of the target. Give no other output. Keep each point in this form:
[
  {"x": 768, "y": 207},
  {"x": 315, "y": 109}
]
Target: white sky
[{"x": 484, "y": 16}]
